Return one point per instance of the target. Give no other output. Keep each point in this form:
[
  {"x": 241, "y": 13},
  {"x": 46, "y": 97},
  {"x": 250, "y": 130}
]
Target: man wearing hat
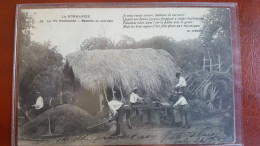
[
  {"x": 134, "y": 100},
  {"x": 176, "y": 116},
  {"x": 182, "y": 104},
  {"x": 118, "y": 110},
  {"x": 22, "y": 109},
  {"x": 181, "y": 84},
  {"x": 39, "y": 103}
]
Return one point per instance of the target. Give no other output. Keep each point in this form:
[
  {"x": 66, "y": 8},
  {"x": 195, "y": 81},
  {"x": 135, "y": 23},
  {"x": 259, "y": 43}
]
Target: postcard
[{"x": 124, "y": 75}]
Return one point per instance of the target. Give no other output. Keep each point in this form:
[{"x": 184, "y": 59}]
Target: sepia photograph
[{"x": 124, "y": 76}]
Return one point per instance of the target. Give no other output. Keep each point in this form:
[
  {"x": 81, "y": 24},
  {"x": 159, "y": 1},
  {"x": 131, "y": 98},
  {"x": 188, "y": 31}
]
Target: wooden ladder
[{"x": 204, "y": 82}]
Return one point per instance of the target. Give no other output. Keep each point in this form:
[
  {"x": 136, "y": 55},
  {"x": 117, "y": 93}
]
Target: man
[
  {"x": 181, "y": 84},
  {"x": 228, "y": 124},
  {"x": 39, "y": 104},
  {"x": 183, "y": 106},
  {"x": 176, "y": 116},
  {"x": 118, "y": 110},
  {"x": 22, "y": 111},
  {"x": 134, "y": 100}
]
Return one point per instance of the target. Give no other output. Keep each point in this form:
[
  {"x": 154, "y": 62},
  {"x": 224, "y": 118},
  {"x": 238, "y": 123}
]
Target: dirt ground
[{"x": 202, "y": 131}]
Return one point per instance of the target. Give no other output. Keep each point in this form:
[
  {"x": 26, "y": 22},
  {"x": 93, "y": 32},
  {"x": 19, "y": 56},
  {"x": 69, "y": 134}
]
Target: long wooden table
[{"x": 152, "y": 114}]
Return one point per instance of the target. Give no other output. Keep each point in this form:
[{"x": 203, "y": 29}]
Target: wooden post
[
  {"x": 210, "y": 64},
  {"x": 204, "y": 63},
  {"x": 220, "y": 103},
  {"x": 105, "y": 94},
  {"x": 219, "y": 63},
  {"x": 209, "y": 53},
  {"x": 155, "y": 117},
  {"x": 146, "y": 119},
  {"x": 101, "y": 106},
  {"x": 121, "y": 93},
  {"x": 210, "y": 61},
  {"x": 113, "y": 92}
]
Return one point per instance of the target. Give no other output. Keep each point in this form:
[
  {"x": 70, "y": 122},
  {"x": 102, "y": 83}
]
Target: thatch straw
[{"x": 147, "y": 69}]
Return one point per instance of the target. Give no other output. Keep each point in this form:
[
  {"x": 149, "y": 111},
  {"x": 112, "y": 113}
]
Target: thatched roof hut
[
  {"x": 144, "y": 68},
  {"x": 151, "y": 70}
]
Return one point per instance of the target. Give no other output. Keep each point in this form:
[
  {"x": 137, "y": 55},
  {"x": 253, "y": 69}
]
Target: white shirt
[
  {"x": 182, "y": 82},
  {"x": 39, "y": 103},
  {"x": 134, "y": 97},
  {"x": 114, "y": 105},
  {"x": 181, "y": 101}
]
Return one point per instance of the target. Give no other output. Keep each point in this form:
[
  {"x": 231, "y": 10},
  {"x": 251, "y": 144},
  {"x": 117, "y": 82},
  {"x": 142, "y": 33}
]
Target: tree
[
  {"x": 126, "y": 42},
  {"x": 46, "y": 61},
  {"x": 215, "y": 35},
  {"x": 97, "y": 43},
  {"x": 26, "y": 25},
  {"x": 158, "y": 42},
  {"x": 36, "y": 63},
  {"x": 189, "y": 55}
]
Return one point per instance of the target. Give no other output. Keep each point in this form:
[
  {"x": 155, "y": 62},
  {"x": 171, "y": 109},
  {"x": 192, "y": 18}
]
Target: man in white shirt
[
  {"x": 38, "y": 106},
  {"x": 118, "y": 110},
  {"x": 134, "y": 100},
  {"x": 181, "y": 84},
  {"x": 183, "y": 106},
  {"x": 114, "y": 105},
  {"x": 134, "y": 97},
  {"x": 181, "y": 101},
  {"x": 39, "y": 103}
]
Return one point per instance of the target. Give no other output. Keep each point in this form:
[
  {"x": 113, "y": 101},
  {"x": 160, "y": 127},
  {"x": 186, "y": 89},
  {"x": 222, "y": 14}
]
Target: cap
[{"x": 135, "y": 88}]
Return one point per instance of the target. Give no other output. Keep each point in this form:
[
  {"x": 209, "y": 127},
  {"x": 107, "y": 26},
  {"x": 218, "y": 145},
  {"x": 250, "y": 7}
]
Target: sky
[{"x": 66, "y": 28}]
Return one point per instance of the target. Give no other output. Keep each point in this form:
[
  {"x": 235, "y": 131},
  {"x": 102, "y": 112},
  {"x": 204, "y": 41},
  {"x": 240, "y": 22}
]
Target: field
[{"x": 209, "y": 130}]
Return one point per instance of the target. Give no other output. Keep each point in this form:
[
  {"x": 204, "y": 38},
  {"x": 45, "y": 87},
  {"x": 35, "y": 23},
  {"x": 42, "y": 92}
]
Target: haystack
[
  {"x": 151, "y": 70},
  {"x": 64, "y": 120}
]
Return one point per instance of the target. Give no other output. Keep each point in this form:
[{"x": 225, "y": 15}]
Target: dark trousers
[
  {"x": 185, "y": 115},
  {"x": 182, "y": 89},
  {"x": 134, "y": 109},
  {"x": 119, "y": 120},
  {"x": 35, "y": 112}
]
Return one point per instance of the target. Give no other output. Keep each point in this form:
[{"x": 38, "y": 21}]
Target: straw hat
[
  {"x": 135, "y": 89},
  {"x": 180, "y": 93}
]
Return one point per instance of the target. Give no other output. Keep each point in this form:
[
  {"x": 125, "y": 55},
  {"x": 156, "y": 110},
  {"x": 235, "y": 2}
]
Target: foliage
[
  {"x": 126, "y": 42},
  {"x": 25, "y": 26},
  {"x": 218, "y": 88},
  {"x": 215, "y": 35},
  {"x": 158, "y": 42},
  {"x": 38, "y": 64},
  {"x": 27, "y": 22},
  {"x": 96, "y": 43},
  {"x": 188, "y": 53}
]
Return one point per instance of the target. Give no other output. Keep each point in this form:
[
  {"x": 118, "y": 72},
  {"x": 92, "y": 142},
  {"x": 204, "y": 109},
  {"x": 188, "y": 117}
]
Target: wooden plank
[
  {"x": 105, "y": 94},
  {"x": 121, "y": 93},
  {"x": 113, "y": 92}
]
